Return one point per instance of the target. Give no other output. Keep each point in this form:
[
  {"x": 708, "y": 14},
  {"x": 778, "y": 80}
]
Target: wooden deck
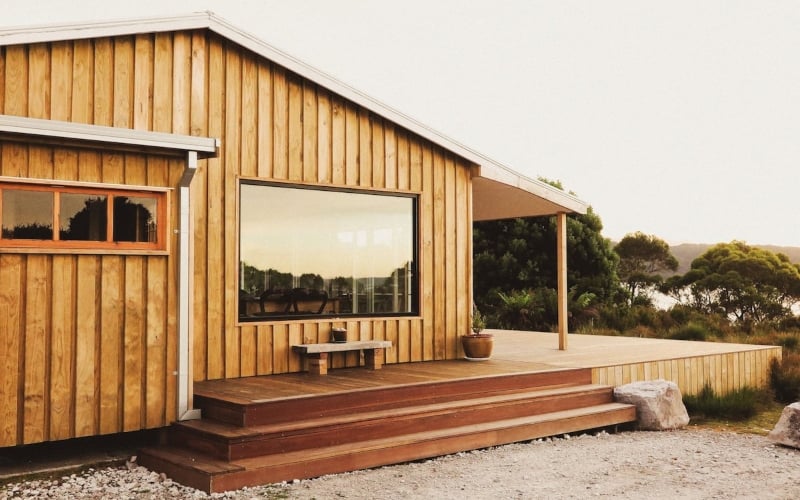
[
  {"x": 257, "y": 430},
  {"x": 621, "y": 360},
  {"x": 612, "y": 360}
]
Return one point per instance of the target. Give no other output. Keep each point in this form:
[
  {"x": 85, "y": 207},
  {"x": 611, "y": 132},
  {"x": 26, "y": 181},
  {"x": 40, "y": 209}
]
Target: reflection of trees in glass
[
  {"x": 34, "y": 231},
  {"x": 277, "y": 280},
  {"x": 255, "y": 281},
  {"x": 252, "y": 279},
  {"x": 88, "y": 224},
  {"x": 340, "y": 286},
  {"x": 132, "y": 221},
  {"x": 311, "y": 281},
  {"x": 386, "y": 293}
]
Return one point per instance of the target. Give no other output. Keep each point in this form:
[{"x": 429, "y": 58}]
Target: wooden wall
[
  {"x": 87, "y": 341},
  {"x": 275, "y": 125},
  {"x": 90, "y": 339},
  {"x": 722, "y": 372}
]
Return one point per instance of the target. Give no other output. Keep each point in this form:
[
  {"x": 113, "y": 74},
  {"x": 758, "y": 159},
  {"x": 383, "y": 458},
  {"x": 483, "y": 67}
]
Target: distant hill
[{"x": 687, "y": 252}]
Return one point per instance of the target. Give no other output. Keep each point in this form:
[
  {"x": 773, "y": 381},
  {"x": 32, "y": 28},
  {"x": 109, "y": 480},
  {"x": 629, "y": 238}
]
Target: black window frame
[{"x": 414, "y": 285}]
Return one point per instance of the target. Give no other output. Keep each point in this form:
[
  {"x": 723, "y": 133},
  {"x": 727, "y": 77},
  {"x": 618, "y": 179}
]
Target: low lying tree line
[{"x": 734, "y": 286}]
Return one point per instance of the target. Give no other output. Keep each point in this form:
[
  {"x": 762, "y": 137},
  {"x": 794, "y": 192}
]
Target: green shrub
[
  {"x": 690, "y": 331},
  {"x": 789, "y": 341},
  {"x": 740, "y": 404},
  {"x": 790, "y": 323},
  {"x": 784, "y": 378}
]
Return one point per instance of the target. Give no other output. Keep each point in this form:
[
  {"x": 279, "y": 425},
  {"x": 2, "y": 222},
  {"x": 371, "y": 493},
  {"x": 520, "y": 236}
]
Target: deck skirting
[
  {"x": 616, "y": 361},
  {"x": 724, "y": 372}
]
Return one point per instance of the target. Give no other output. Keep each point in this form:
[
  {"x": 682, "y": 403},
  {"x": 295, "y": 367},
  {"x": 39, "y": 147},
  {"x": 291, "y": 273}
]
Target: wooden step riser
[
  {"x": 412, "y": 451},
  {"x": 407, "y": 423},
  {"x": 383, "y": 398}
]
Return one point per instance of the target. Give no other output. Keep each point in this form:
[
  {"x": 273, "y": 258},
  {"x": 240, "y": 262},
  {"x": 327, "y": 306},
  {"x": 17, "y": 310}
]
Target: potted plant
[{"x": 477, "y": 345}]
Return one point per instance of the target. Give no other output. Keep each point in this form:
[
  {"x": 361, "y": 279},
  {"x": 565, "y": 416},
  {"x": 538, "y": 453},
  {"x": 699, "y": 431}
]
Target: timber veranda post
[{"x": 561, "y": 253}]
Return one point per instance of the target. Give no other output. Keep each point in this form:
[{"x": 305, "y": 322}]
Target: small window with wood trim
[{"x": 40, "y": 216}]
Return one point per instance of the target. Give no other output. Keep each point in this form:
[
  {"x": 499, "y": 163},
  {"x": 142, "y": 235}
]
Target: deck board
[
  {"x": 258, "y": 389},
  {"x": 592, "y": 351},
  {"x": 613, "y": 360}
]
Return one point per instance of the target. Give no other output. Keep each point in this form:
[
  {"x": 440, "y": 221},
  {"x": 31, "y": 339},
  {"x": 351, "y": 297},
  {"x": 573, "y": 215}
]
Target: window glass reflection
[
  {"x": 27, "y": 215},
  {"x": 305, "y": 251},
  {"x": 83, "y": 217},
  {"x": 134, "y": 218}
]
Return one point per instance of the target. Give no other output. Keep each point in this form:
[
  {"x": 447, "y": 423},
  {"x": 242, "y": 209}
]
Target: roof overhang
[
  {"x": 498, "y": 191},
  {"x": 54, "y": 132},
  {"x": 501, "y": 193}
]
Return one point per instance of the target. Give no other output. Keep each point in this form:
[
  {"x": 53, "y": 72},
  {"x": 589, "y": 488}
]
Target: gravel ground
[{"x": 654, "y": 465}]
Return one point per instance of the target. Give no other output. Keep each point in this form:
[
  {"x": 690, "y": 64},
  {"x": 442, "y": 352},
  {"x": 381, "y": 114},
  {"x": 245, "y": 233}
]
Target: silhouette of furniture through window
[{"x": 293, "y": 301}]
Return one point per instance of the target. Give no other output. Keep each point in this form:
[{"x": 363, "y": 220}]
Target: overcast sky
[{"x": 675, "y": 118}]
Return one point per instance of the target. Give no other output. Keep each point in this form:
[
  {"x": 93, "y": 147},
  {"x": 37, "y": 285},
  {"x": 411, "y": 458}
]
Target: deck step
[
  {"x": 230, "y": 442},
  {"x": 245, "y": 412},
  {"x": 345, "y": 425},
  {"x": 211, "y": 475}
]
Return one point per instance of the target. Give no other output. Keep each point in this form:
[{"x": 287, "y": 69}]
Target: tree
[
  {"x": 519, "y": 255},
  {"x": 747, "y": 284},
  {"x": 641, "y": 258}
]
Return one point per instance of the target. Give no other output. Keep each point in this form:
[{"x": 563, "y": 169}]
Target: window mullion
[
  {"x": 56, "y": 215},
  {"x": 110, "y": 218}
]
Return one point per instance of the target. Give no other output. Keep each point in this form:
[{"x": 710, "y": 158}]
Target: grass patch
[
  {"x": 738, "y": 405},
  {"x": 761, "y": 423}
]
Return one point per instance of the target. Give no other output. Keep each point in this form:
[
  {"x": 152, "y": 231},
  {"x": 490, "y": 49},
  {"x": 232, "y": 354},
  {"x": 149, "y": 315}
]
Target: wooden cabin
[{"x": 181, "y": 202}]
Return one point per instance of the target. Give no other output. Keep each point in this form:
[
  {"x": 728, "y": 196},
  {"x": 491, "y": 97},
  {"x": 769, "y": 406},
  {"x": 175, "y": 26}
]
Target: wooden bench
[{"x": 317, "y": 354}]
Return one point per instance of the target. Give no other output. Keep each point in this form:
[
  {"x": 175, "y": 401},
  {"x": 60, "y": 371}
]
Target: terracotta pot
[{"x": 477, "y": 347}]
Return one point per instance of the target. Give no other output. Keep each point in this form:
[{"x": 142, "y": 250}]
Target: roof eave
[
  {"x": 54, "y": 132},
  {"x": 501, "y": 193}
]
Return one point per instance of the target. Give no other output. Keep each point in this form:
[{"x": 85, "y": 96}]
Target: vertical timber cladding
[
  {"x": 274, "y": 125},
  {"x": 88, "y": 341}
]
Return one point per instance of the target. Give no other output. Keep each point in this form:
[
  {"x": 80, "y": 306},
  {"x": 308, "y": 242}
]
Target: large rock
[
  {"x": 659, "y": 405},
  {"x": 787, "y": 430}
]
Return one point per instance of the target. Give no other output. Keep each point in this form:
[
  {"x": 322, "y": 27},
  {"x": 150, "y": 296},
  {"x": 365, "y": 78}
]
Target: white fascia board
[
  {"x": 499, "y": 173},
  {"x": 111, "y": 137},
  {"x": 79, "y": 31}
]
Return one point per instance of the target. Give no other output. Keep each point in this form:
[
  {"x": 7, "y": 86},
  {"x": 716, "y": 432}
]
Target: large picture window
[
  {"x": 39, "y": 216},
  {"x": 317, "y": 252}
]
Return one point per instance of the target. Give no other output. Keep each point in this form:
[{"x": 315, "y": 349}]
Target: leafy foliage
[
  {"x": 517, "y": 257},
  {"x": 33, "y": 231},
  {"x": 641, "y": 258},
  {"x": 748, "y": 284},
  {"x": 784, "y": 378},
  {"x": 529, "y": 309},
  {"x": 690, "y": 331},
  {"x": 740, "y": 404}
]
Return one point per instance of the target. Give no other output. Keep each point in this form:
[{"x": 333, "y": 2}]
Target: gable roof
[{"x": 498, "y": 191}]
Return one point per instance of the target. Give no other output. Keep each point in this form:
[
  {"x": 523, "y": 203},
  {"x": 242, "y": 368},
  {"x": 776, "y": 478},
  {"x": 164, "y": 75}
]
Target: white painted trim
[
  {"x": 112, "y": 137},
  {"x": 208, "y": 20},
  {"x": 82, "y": 184},
  {"x": 185, "y": 384}
]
